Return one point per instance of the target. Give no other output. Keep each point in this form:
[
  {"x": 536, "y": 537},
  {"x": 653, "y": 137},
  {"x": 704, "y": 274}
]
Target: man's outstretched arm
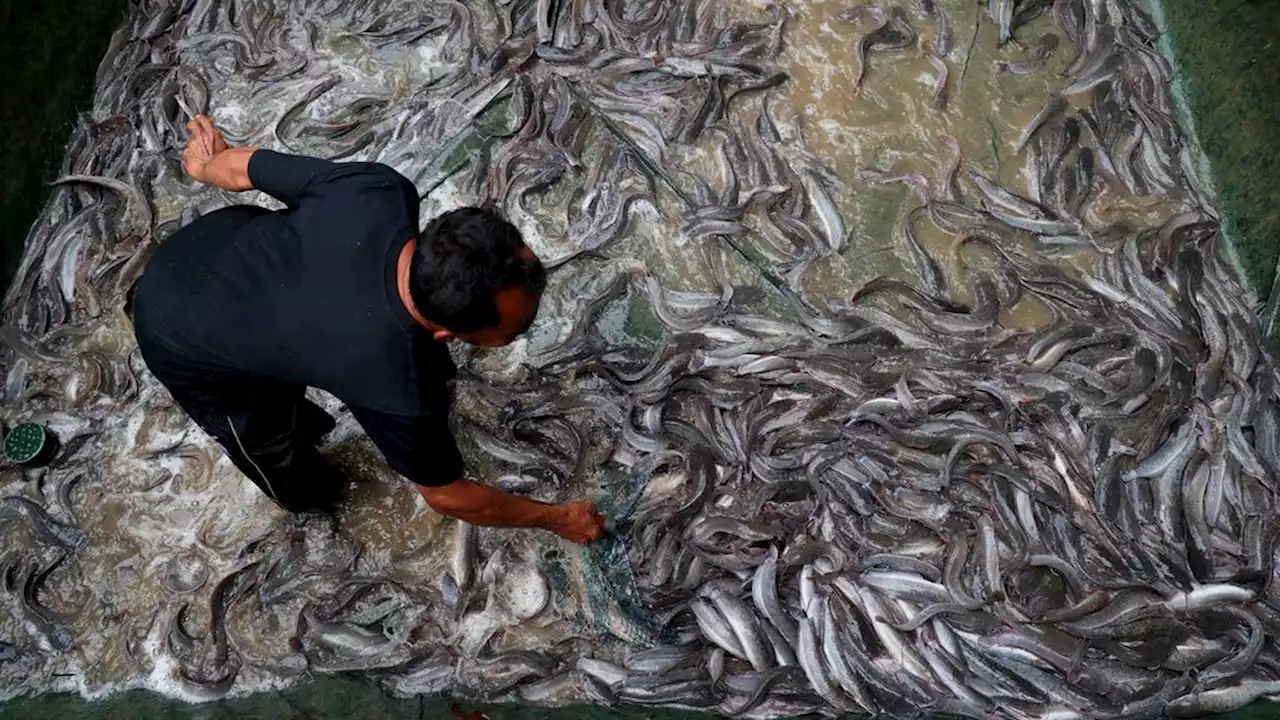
[
  {"x": 209, "y": 159},
  {"x": 483, "y": 505},
  {"x": 422, "y": 449}
]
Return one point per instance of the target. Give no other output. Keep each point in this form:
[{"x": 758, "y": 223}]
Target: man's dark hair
[{"x": 464, "y": 258}]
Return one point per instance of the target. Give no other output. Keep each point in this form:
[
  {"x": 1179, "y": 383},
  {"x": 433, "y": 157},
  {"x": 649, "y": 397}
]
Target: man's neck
[{"x": 402, "y": 282}]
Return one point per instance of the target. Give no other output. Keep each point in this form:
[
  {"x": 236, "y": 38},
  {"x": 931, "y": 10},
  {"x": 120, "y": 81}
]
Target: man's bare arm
[
  {"x": 209, "y": 159},
  {"x": 229, "y": 169},
  {"x": 483, "y": 505}
]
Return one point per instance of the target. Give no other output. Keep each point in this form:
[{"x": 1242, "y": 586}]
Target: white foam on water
[{"x": 524, "y": 592}]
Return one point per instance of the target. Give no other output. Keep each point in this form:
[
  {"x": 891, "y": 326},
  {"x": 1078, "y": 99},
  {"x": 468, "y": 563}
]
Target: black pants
[
  {"x": 271, "y": 439},
  {"x": 268, "y": 429}
]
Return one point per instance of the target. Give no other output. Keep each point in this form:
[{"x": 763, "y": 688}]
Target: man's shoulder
[
  {"x": 373, "y": 185},
  {"x": 374, "y": 174}
]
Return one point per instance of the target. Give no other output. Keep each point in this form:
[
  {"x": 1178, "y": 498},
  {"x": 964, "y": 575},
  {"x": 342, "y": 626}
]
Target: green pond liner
[{"x": 1227, "y": 88}]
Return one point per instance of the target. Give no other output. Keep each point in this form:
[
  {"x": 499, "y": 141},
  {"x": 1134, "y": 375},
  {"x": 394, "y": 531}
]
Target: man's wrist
[{"x": 549, "y": 517}]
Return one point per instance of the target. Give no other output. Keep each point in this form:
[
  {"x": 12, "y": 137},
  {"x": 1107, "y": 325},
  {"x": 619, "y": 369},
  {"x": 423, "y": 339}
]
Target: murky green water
[
  {"x": 343, "y": 698},
  {"x": 329, "y": 699}
]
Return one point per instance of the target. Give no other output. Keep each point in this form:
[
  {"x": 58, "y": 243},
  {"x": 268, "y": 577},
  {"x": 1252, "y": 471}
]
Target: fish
[
  {"x": 1039, "y": 57},
  {"x": 941, "y": 91},
  {"x": 745, "y": 628},
  {"x": 137, "y": 216},
  {"x": 342, "y": 636},
  {"x": 943, "y": 42},
  {"x": 503, "y": 671},
  {"x": 1221, "y": 700},
  {"x": 765, "y": 596},
  {"x": 1026, "y": 474},
  {"x": 1001, "y": 12},
  {"x": 52, "y": 629},
  {"x": 463, "y": 558},
  {"x": 891, "y": 31},
  {"x": 833, "y": 226},
  {"x": 812, "y": 664},
  {"x": 43, "y": 526},
  {"x": 926, "y": 266}
]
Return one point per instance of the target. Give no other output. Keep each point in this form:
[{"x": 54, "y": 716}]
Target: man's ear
[{"x": 443, "y": 336}]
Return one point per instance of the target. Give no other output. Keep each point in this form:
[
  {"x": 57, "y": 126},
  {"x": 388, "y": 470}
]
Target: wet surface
[{"x": 152, "y": 599}]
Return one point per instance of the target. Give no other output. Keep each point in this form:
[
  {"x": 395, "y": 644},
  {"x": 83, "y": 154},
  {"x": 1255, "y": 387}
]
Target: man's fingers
[
  {"x": 207, "y": 124},
  {"x": 586, "y": 532},
  {"x": 199, "y": 124}
]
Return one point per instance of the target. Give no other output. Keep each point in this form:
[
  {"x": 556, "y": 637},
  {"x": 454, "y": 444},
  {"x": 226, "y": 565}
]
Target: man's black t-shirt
[{"x": 308, "y": 295}]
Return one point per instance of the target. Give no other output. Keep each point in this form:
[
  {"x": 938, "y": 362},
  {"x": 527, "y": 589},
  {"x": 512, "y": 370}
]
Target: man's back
[{"x": 306, "y": 295}]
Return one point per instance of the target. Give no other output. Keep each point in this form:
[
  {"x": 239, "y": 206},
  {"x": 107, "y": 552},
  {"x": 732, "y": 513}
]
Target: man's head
[{"x": 473, "y": 278}]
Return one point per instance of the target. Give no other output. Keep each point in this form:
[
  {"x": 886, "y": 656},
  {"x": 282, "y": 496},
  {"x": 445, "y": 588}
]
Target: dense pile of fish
[{"x": 884, "y": 500}]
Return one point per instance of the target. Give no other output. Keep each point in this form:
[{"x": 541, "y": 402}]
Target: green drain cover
[{"x": 24, "y": 442}]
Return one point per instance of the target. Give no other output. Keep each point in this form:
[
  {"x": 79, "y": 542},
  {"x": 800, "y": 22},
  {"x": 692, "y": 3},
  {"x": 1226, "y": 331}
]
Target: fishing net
[{"x": 600, "y": 578}]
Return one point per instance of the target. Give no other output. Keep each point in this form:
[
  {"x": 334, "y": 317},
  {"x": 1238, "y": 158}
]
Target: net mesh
[{"x": 600, "y": 578}]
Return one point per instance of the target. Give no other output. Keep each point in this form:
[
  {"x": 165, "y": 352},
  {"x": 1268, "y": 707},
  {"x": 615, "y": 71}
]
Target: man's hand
[
  {"x": 205, "y": 144},
  {"x": 210, "y": 160},
  {"x": 577, "y": 522}
]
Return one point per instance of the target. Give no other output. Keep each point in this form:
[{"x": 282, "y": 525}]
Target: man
[{"x": 243, "y": 309}]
